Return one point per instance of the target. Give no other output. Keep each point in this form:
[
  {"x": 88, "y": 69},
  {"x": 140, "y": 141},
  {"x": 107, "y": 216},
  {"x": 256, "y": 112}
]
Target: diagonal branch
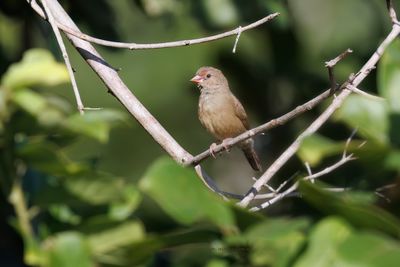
[{"x": 117, "y": 87}]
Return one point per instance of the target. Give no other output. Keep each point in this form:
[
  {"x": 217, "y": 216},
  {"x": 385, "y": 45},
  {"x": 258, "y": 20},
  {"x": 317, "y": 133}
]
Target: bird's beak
[{"x": 197, "y": 79}]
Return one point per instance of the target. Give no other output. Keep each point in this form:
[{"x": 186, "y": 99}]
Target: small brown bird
[{"x": 221, "y": 113}]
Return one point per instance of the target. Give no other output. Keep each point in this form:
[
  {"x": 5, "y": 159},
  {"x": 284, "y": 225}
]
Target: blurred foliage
[{"x": 96, "y": 190}]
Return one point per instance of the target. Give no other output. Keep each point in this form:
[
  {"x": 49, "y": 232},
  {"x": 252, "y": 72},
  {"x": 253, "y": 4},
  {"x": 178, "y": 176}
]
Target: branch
[
  {"x": 114, "y": 83},
  {"x": 135, "y": 46},
  {"x": 65, "y": 56},
  {"x": 292, "y": 149},
  {"x": 330, "y": 64},
  {"x": 365, "y": 94}
]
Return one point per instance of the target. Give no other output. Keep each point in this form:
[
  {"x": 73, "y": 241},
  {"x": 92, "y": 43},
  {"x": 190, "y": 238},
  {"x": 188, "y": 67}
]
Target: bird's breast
[{"x": 217, "y": 115}]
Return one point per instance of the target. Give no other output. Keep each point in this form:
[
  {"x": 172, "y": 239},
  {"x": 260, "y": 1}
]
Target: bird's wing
[{"x": 240, "y": 112}]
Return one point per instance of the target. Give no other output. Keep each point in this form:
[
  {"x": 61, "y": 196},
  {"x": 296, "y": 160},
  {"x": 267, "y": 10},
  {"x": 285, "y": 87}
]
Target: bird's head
[{"x": 210, "y": 78}]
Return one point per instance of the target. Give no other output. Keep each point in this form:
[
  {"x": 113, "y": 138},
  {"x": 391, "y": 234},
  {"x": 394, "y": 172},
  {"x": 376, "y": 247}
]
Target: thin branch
[
  {"x": 65, "y": 56},
  {"x": 228, "y": 143},
  {"x": 136, "y": 46},
  {"x": 365, "y": 94},
  {"x": 331, "y": 64},
  {"x": 237, "y": 39},
  {"x": 292, "y": 149},
  {"x": 291, "y": 189}
]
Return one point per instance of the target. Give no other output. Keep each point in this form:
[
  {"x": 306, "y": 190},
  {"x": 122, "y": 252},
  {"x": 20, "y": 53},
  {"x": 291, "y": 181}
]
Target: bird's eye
[{"x": 208, "y": 75}]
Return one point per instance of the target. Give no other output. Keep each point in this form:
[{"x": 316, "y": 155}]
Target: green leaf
[
  {"x": 68, "y": 249},
  {"x": 369, "y": 116},
  {"x": 64, "y": 214},
  {"x": 118, "y": 236},
  {"x": 143, "y": 250},
  {"x": 37, "y": 67},
  {"x": 38, "y": 106},
  {"x": 120, "y": 210},
  {"x": 334, "y": 243},
  {"x": 316, "y": 147},
  {"x": 217, "y": 263},
  {"x": 369, "y": 249},
  {"x": 48, "y": 157},
  {"x": 360, "y": 214},
  {"x": 324, "y": 241},
  {"x": 96, "y": 188},
  {"x": 273, "y": 242},
  {"x": 94, "y": 124},
  {"x": 392, "y": 161},
  {"x": 389, "y": 76},
  {"x": 179, "y": 192}
]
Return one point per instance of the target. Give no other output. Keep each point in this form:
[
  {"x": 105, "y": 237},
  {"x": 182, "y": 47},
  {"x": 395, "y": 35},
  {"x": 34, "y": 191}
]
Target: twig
[
  {"x": 60, "y": 41},
  {"x": 331, "y": 63},
  {"x": 308, "y": 167},
  {"x": 291, "y": 189},
  {"x": 292, "y": 149},
  {"x": 228, "y": 143},
  {"x": 362, "y": 93},
  {"x": 237, "y": 39},
  {"x": 348, "y": 141}
]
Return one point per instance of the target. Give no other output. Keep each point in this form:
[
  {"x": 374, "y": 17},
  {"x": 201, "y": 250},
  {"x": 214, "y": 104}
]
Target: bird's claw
[{"x": 211, "y": 149}]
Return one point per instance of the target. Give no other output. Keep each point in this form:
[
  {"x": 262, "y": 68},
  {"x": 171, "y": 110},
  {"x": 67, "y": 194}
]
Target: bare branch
[
  {"x": 362, "y": 93},
  {"x": 135, "y": 46},
  {"x": 237, "y": 39},
  {"x": 292, "y": 149},
  {"x": 65, "y": 56},
  {"x": 331, "y": 63}
]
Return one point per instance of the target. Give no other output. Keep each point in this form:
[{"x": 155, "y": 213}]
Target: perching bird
[{"x": 221, "y": 113}]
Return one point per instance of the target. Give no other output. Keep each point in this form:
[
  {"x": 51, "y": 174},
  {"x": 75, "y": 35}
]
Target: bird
[{"x": 221, "y": 113}]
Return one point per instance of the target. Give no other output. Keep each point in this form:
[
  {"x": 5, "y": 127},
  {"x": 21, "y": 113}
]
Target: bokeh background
[{"x": 276, "y": 67}]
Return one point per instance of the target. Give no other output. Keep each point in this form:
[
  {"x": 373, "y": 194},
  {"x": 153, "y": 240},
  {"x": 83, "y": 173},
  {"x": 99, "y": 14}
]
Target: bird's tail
[{"x": 251, "y": 155}]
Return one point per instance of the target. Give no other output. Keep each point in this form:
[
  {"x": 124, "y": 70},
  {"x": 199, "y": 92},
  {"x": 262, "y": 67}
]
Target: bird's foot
[
  {"x": 211, "y": 149},
  {"x": 225, "y": 144}
]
